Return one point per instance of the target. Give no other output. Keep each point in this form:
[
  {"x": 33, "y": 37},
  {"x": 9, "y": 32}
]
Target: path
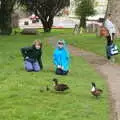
[{"x": 111, "y": 72}]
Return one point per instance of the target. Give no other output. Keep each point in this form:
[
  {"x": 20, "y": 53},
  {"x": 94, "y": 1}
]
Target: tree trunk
[
  {"x": 5, "y": 21},
  {"x": 83, "y": 22},
  {"x": 5, "y": 24},
  {"x": 114, "y": 9},
  {"x": 47, "y": 24}
]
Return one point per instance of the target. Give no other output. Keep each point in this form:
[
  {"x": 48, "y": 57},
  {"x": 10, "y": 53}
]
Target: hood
[{"x": 61, "y": 41}]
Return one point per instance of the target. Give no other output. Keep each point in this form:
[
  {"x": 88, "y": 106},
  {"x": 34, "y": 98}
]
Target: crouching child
[
  {"x": 32, "y": 57},
  {"x": 61, "y": 58}
]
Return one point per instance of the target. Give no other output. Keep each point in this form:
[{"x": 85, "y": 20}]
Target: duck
[
  {"x": 60, "y": 87},
  {"x": 96, "y": 91}
]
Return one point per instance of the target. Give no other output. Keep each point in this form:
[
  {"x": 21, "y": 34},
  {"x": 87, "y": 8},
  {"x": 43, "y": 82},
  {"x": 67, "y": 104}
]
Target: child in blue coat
[{"x": 61, "y": 58}]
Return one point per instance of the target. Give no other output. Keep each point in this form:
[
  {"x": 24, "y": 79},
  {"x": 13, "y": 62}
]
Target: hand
[
  {"x": 58, "y": 66},
  {"x": 26, "y": 57}
]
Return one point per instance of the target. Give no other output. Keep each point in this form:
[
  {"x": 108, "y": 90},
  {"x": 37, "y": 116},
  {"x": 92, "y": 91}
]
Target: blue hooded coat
[{"x": 61, "y": 57}]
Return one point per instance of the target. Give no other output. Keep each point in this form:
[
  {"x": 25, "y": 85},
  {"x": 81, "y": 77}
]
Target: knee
[
  {"x": 58, "y": 71},
  {"x": 29, "y": 69},
  {"x": 28, "y": 66},
  {"x": 37, "y": 69},
  {"x": 61, "y": 72}
]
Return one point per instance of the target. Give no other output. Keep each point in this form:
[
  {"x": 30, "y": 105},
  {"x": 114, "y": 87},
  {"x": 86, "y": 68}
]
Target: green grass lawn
[{"x": 20, "y": 96}]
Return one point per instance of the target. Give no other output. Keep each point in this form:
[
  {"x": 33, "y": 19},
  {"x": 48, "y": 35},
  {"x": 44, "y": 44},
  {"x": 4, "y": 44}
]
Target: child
[
  {"x": 32, "y": 56},
  {"x": 61, "y": 58}
]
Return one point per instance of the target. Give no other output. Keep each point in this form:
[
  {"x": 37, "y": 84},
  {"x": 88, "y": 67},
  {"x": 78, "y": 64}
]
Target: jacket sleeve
[
  {"x": 55, "y": 58},
  {"x": 24, "y": 51},
  {"x": 40, "y": 60},
  {"x": 68, "y": 57}
]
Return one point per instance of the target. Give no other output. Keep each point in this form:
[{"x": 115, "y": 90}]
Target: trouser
[
  {"x": 61, "y": 72},
  {"x": 113, "y": 36},
  {"x": 32, "y": 66},
  {"x": 108, "y": 52},
  {"x": 109, "y": 43}
]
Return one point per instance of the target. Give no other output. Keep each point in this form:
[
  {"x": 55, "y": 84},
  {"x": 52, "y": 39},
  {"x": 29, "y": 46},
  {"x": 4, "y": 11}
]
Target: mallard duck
[
  {"x": 95, "y": 91},
  {"x": 60, "y": 87}
]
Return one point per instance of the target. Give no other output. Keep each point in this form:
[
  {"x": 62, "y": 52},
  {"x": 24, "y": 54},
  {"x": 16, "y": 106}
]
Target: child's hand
[
  {"x": 58, "y": 66},
  {"x": 26, "y": 57}
]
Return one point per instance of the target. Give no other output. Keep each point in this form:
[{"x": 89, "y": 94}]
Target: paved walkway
[{"x": 111, "y": 72}]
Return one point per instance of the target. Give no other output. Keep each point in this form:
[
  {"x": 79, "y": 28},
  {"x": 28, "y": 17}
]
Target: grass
[{"x": 20, "y": 96}]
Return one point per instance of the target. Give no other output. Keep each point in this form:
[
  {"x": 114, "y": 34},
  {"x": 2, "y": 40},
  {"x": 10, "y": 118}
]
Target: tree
[
  {"x": 6, "y": 10},
  {"x": 84, "y": 9},
  {"x": 113, "y": 8},
  {"x": 46, "y": 10}
]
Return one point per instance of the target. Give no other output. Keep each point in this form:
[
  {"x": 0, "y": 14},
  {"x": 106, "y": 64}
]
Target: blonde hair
[{"x": 38, "y": 42}]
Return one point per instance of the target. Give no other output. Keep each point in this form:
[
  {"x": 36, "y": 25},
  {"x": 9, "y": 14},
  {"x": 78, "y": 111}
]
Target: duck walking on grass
[
  {"x": 60, "y": 87},
  {"x": 95, "y": 91}
]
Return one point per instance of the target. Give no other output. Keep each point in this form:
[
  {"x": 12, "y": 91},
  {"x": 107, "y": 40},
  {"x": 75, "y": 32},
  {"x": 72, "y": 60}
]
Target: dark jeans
[
  {"x": 108, "y": 53},
  {"x": 61, "y": 72},
  {"x": 31, "y": 65},
  {"x": 109, "y": 42}
]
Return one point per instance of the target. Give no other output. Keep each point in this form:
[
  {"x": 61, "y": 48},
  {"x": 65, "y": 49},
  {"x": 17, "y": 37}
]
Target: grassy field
[{"x": 20, "y": 96}]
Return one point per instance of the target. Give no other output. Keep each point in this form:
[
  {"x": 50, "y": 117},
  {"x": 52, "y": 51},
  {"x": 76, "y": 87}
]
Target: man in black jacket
[{"x": 32, "y": 56}]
